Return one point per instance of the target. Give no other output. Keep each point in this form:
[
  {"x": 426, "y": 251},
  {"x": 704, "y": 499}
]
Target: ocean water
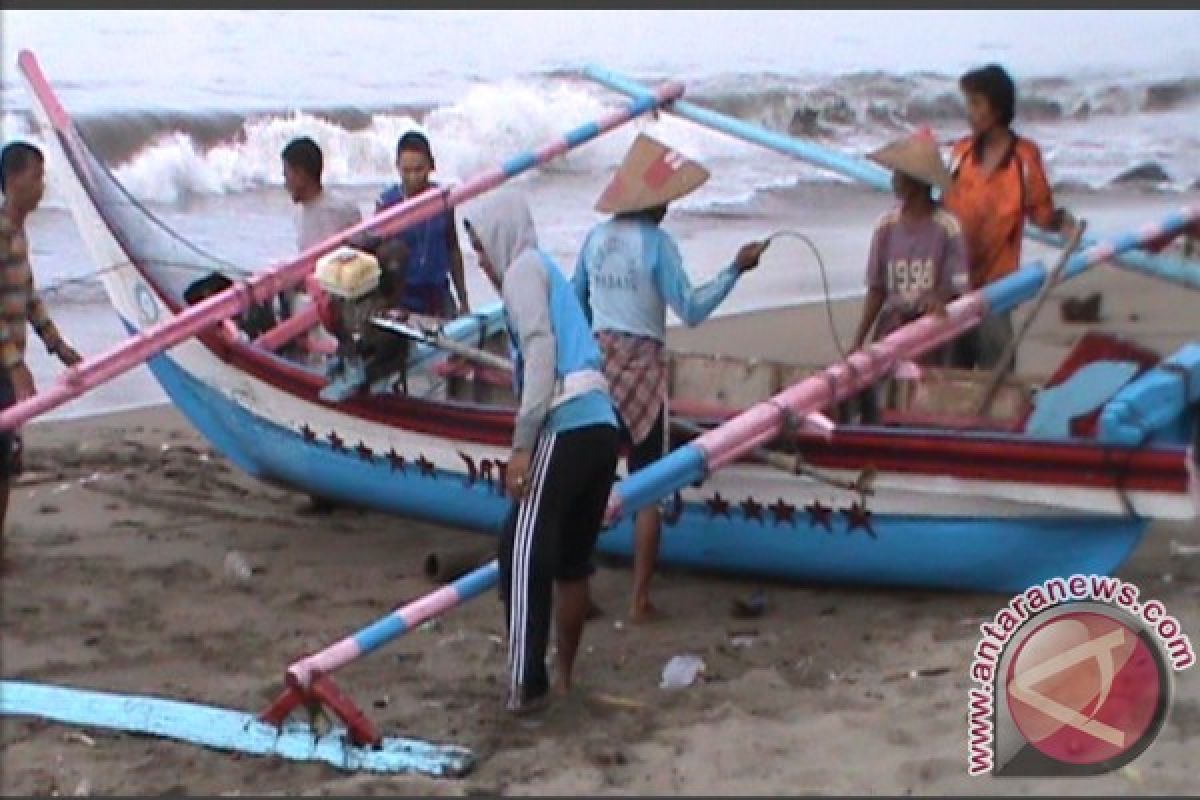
[{"x": 191, "y": 109}]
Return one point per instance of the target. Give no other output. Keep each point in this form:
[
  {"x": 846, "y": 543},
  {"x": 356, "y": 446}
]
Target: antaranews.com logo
[{"x": 1075, "y": 678}]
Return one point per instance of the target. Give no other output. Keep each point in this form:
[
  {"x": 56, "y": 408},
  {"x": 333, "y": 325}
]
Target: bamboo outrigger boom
[{"x": 1177, "y": 271}]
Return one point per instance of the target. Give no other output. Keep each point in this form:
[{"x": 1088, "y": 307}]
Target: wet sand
[{"x": 119, "y": 532}]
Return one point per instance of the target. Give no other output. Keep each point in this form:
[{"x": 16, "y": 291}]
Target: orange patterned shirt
[
  {"x": 992, "y": 207},
  {"x": 19, "y": 302}
]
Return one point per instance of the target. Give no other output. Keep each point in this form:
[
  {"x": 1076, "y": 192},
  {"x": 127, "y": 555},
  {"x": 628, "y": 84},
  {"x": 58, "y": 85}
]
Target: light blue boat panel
[
  {"x": 1154, "y": 401},
  {"x": 225, "y": 729},
  {"x": 1084, "y": 392}
]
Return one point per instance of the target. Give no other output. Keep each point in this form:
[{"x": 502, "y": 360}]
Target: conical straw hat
[
  {"x": 917, "y": 157},
  {"x": 651, "y": 175}
]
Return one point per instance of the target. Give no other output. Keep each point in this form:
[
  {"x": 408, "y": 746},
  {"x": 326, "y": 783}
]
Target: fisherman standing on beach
[
  {"x": 564, "y": 449},
  {"x": 629, "y": 270},
  {"x": 998, "y": 181},
  {"x": 918, "y": 261},
  {"x": 22, "y": 180},
  {"x": 434, "y": 257}
]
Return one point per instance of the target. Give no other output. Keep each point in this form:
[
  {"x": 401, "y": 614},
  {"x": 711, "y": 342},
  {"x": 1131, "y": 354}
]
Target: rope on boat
[
  {"x": 86, "y": 277},
  {"x": 788, "y": 233},
  {"x": 862, "y": 484}
]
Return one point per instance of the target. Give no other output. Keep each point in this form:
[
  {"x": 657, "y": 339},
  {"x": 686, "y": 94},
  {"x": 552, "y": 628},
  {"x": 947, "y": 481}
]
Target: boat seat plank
[{"x": 1086, "y": 390}]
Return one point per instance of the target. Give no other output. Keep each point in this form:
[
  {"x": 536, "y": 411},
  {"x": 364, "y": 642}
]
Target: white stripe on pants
[{"x": 518, "y": 592}]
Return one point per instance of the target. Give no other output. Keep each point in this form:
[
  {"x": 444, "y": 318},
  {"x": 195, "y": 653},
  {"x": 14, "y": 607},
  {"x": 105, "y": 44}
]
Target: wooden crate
[
  {"x": 790, "y": 374},
  {"x": 955, "y": 394},
  {"x": 723, "y": 381}
]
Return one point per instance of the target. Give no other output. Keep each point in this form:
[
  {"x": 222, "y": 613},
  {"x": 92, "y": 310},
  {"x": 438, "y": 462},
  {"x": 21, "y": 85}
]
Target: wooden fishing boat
[{"x": 949, "y": 500}]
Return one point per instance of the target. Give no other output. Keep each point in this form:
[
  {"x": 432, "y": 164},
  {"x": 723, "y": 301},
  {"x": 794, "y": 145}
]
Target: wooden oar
[{"x": 1007, "y": 362}]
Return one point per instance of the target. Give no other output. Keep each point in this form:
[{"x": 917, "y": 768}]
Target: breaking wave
[{"x": 165, "y": 157}]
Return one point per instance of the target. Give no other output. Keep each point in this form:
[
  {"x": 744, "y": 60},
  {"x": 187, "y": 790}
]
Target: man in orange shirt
[{"x": 999, "y": 181}]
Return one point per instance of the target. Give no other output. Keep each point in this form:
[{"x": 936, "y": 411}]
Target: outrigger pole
[
  {"x": 308, "y": 680},
  {"x": 264, "y": 285},
  {"x": 859, "y": 169}
]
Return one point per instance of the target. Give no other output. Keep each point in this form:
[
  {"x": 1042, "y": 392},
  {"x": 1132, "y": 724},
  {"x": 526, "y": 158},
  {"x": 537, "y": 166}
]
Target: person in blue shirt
[
  {"x": 564, "y": 448},
  {"x": 430, "y": 251},
  {"x": 627, "y": 275}
]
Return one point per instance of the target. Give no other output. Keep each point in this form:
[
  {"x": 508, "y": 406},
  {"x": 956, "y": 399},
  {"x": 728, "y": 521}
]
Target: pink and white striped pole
[{"x": 758, "y": 425}]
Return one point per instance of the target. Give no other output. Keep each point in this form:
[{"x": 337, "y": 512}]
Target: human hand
[
  {"x": 22, "y": 381},
  {"x": 748, "y": 255},
  {"x": 68, "y": 355},
  {"x": 516, "y": 474},
  {"x": 1067, "y": 223},
  {"x": 932, "y": 305}
]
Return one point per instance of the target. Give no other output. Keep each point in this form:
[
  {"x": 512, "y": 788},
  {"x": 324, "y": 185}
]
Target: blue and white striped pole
[{"x": 859, "y": 169}]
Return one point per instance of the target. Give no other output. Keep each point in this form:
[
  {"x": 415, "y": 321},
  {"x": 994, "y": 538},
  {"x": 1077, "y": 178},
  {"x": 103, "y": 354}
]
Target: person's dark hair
[
  {"x": 653, "y": 215},
  {"x": 994, "y": 83},
  {"x": 304, "y": 154},
  {"x": 17, "y": 157},
  {"x": 414, "y": 142}
]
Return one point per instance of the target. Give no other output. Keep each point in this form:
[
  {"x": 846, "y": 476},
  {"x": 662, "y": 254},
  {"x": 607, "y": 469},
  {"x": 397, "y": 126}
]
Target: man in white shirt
[{"x": 322, "y": 212}]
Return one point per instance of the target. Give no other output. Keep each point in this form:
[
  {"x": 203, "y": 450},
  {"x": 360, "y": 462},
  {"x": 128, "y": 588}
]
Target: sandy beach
[
  {"x": 120, "y": 527},
  {"x": 121, "y": 530}
]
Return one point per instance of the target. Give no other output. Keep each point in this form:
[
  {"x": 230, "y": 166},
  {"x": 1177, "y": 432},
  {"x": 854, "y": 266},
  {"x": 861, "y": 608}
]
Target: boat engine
[{"x": 351, "y": 294}]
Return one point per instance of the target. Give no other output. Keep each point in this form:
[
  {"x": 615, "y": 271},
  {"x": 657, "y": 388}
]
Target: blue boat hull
[{"x": 953, "y": 553}]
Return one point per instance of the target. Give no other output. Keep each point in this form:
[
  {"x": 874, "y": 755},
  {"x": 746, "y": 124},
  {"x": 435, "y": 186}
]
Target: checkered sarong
[{"x": 637, "y": 378}]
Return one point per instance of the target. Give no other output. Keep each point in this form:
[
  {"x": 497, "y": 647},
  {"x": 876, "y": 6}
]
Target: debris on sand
[
  {"x": 681, "y": 671},
  {"x": 750, "y": 607},
  {"x": 1184, "y": 550},
  {"x": 80, "y": 738},
  {"x": 913, "y": 674},
  {"x": 615, "y": 701},
  {"x": 236, "y": 568}
]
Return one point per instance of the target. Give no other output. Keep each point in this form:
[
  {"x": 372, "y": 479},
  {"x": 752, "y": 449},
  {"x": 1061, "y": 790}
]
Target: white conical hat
[
  {"x": 651, "y": 175},
  {"x": 917, "y": 157}
]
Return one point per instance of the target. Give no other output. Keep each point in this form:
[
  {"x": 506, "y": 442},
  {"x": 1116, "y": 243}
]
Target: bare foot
[
  {"x": 645, "y": 613},
  {"x": 529, "y": 707}
]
